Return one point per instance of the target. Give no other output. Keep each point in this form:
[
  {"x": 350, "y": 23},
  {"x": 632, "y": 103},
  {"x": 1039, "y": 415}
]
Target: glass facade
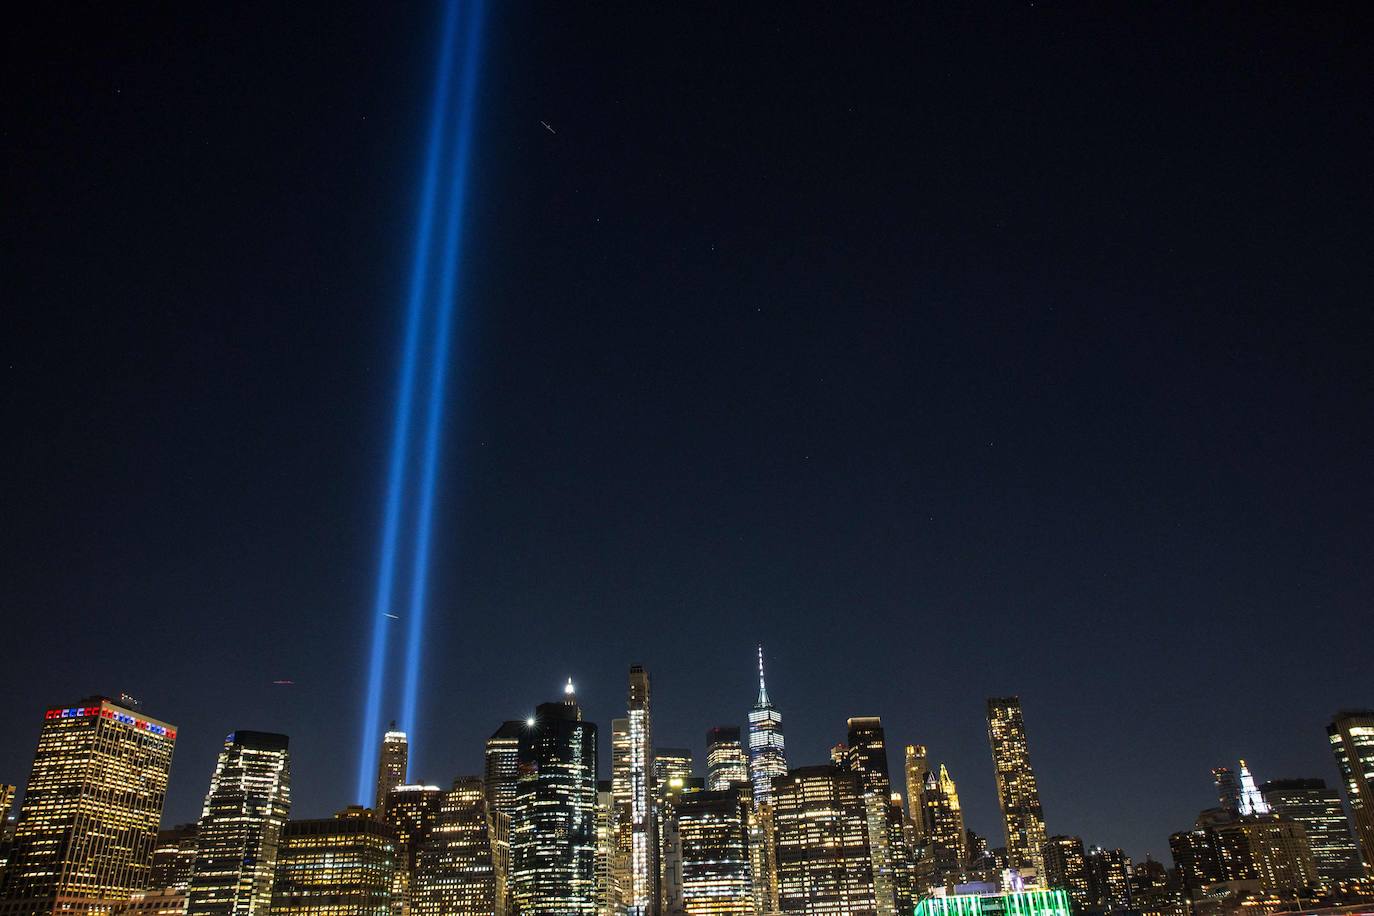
[
  {"x": 1352, "y": 742},
  {"x": 767, "y": 750},
  {"x": 339, "y": 866},
  {"x": 456, "y": 871}
]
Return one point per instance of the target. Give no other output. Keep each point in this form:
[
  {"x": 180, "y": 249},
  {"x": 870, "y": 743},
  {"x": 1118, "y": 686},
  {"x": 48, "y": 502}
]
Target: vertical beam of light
[
  {"x": 400, "y": 435},
  {"x": 453, "y": 235}
]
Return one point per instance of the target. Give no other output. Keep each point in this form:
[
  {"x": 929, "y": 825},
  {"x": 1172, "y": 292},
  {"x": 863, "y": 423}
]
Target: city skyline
[{"x": 947, "y": 352}]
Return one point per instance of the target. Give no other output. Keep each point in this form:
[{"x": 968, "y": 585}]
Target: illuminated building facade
[
  {"x": 502, "y": 766},
  {"x": 821, "y": 834},
  {"x": 946, "y": 838},
  {"x": 1025, "y": 903},
  {"x": 456, "y": 871},
  {"x": 1066, "y": 868},
  {"x": 632, "y": 780},
  {"x": 1317, "y": 807},
  {"x": 240, "y": 827},
  {"x": 337, "y": 866},
  {"x": 865, "y": 754},
  {"x": 1351, "y": 734},
  {"x": 726, "y": 763},
  {"x": 173, "y": 858},
  {"x": 608, "y": 902},
  {"x": 88, "y": 824},
  {"x": 767, "y": 749},
  {"x": 553, "y": 825},
  {"x": 1017, "y": 792},
  {"x": 392, "y": 764},
  {"x": 1270, "y": 849},
  {"x": 671, "y": 763},
  {"x": 1109, "y": 878},
  {"x": 712, "y": 870},
  {"x": 1196, "y": 859},
  {"x": 915, "y": 766},
  {"x": 410, "y": 811}
]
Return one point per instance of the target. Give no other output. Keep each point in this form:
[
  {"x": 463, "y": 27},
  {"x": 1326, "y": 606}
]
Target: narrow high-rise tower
[
  {"x": 1017, "y": 792},
  {"x": 767, "y": 751},
  {"x": 636, "y": 795},
  {"x": 241, "y": 826},
  {"x": 86, "y": 830},
  {"x": 392, "y": 764},
  {"x": 1351, "y": 734}
]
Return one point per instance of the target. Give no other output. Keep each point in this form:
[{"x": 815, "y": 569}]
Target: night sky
[{"x": 992, "y": 348}]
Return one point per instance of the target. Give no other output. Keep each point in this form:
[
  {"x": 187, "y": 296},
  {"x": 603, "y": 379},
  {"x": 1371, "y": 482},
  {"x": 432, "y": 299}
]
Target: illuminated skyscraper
[
  {"x": 410, "y": 811},
  {"x": 767, "y": 751},
  {"x": 456, "y": 872},
  {"x": 1066, "y": 867},
  {"x": 1318, "y": 808},
  {"x": 240, "y": 827},
  {"x": 1017, "y": 793},
  {"x": 916, "y": 766},
  {"x": 1251, "y": 801},
  {"x": 86, "y": 830},
  {"x": 866, "y": 755},
  {"x": 712, "y": 862},
  {"x": 726, "y": 763},
  {"x": 335, "y": 866},
  {"x": 671, "y": 763},
  {"x": 1351, "y": 734},
  {"x": 608, "y": 901},
  {"x": 503, "y": 766},
  {"x": 824, "y": 860},
  {"x": 392, "y": 764},
  {"x": 173, "y": 858},
  {"x": 944, "y": 826},
  {"x": 1109, "y": 878},
  {"x": 553, "y": 824},
  {"x": 632, "y": 778}
]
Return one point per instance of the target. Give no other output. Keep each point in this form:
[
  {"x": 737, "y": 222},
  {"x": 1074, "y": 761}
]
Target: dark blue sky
[{"x": 1007, "y": 349}]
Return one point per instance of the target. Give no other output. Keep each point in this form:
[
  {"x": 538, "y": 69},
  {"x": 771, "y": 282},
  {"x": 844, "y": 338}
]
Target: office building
[
  {"x": 946, "y": 838},
  {"x": 240, "y": 827},
  {"x": 410, "y": 811},
  {"x": 1197, "y": 859},
  {"x": 84, "y": 839},
  {"x": 608, "y": 870},
  {"x": 1351, "y": 734},
  {"x": 173, "y": 858},
  {"x": 865, "y": 753},
  {"x": 553, "y": 823},
  {"x": 915, "y": 767},
  {"x": 671, "y": 763},
  {"x": 1317, "y": 807},
  {"x": 1017, "y": 792},
  {"x": 502, "y": 766},
  {"x": 335, "y": 866},
  {"x": 1066, "y": 868},
  {"x": 1109, "y": 878},
  {"x": 1228, "y": 789},
  {"x": 456, "y": 870},
  {"x": 824, "y": 860},
  {"x": 632, "y": 777},
  {"x": 392, "y": 765},
  {"x": 767, "y": 749},
  {"x": 1269, "y": 849},
  {"x": 726, "y": 762},
  {"x": 711, "y": 870}
]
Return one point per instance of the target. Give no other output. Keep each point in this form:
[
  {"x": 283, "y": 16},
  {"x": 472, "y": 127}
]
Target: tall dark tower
[{"x": 553, "y": 822}]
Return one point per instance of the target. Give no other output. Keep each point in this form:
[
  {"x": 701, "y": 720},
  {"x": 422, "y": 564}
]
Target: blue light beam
[
  {"x": 453, "y": 236},
  {"x": 400, "y": 436}
]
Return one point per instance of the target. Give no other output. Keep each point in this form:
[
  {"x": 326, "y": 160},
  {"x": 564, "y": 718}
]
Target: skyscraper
[
  {"x": 240, "y": 827},
  {"x": 712, "y": 840},
  {"x": 633, "y": 786},
  {"x": 1066, "y": 867},
  {"x": 456, "y": 871},
  {"x": 944, "y": 826},
  {"x": 1318, "y": 808},
  {"x": 553, "y": 824},
  {"x": 86, "y": 830},
  {"x": 726, "y": 763},
  {"x": 1228, "y": 789},
  {"x": 608, "y": 902},
  {"x": 502, "y": 766},
  {"x": 1017, "y": 793},
  {"x": 1109, "y": 878},
  {"x": 334, "y": 866},
  {"x": 671, "y": 763},
  {"x": 392, "y": 764},
  {"x": 1251, "y": 801},
  {"x": 1351, "y": 733},
  {"x": 767, "y": 752},
  {"x": 866, "y": 755},
  {"x": 410, "y": 811},
  {"x": 915, "y": 767},
  {"x": 173, "y": 858},
  {"x": 824, "y": 860}
]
